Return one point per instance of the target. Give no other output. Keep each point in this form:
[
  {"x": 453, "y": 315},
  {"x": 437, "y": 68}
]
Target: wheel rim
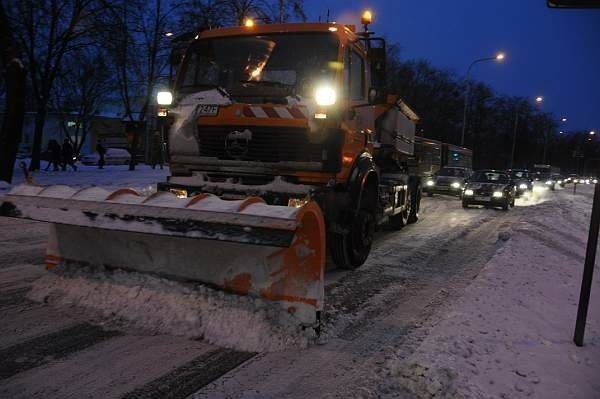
[{"x": 362, "y": 231}]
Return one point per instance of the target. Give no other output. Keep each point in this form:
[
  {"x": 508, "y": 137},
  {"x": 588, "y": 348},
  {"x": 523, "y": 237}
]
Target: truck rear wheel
[
  {"x": 415, "y": 196},
  {"x": 350, "y": 250}
]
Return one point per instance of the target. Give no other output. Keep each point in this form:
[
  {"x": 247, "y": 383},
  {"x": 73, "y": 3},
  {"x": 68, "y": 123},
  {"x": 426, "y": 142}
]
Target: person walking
[
  {"x": 67, "y": 155},
  {"x": 101, "y": 152},
  {"x": 54, "y": 152}
]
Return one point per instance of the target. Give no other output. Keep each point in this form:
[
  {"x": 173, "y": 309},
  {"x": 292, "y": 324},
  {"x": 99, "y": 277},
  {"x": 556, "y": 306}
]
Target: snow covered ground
[
  {"x": 465, "y": 303},
  {"x": 510, "y": 334},
  {"x": 112, "y": 176}
]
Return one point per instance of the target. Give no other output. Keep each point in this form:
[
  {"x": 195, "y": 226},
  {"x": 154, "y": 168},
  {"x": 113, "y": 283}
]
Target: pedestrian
[
  {"x": 54, "y": 152},
  {"x": 67, "y": 155},
  {"x": 156, "y": 151},
  {"x": 101, "y": 152}
]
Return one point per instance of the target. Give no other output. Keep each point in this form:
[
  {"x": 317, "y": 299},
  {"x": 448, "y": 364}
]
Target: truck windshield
[{"x": 279, "y": 64}]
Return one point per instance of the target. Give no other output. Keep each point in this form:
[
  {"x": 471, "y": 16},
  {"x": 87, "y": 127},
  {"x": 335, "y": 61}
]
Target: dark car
[
  {"x": 522, "y": 181},
  {"x": 448, "y": 180},
  {"x": 489, "y": 187}
]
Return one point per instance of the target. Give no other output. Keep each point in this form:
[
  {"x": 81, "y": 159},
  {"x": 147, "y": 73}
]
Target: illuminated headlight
[
  {"x": 430, "y": 183},
  {"x": 587, "y": 181},
  {"x": 595, "y": 181},
  {"x": 164, "y": 98},
  {"x": 548, "y": 182},
  {"x": 325, "y": 95},
  {"x": 297, "y": 202},
  {"x": 179, "y": 193},
  {"x": 498, "y": 194},
  {"x": 468, "y": 191},
  {"x": 455, "y": 185},
  {"x": 575, "y": 181},
  {"x": 523, "y": 186}
]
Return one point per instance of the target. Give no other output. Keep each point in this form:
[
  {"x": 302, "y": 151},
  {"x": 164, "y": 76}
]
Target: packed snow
[
  {"x": 160, "y": 306},
  {"x": 510, "y": 334}
]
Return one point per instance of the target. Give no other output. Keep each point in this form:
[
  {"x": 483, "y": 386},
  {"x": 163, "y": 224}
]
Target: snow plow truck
[{"x": 284, "y": 145}]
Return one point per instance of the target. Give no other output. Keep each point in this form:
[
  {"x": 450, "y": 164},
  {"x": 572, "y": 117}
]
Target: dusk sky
[{"x": 549, "y": 52}]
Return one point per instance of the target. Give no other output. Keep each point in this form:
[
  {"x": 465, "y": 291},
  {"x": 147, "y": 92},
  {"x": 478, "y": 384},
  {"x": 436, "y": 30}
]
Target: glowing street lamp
[
  {"x": 539, "y": 99},
  {"x": 248, "y": 22},
  {"x": 563, "y": 120},
  {"x": 498, "y": 57},
  {"x": 592, "y": 133}
]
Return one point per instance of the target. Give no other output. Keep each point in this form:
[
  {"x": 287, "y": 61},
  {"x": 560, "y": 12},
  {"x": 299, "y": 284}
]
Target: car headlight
[
  {"x": 559, "y": 182},
  {"x": 468, "y": 191},
  {"x": 325, "y": 95},
  {"x": 523, "y": 186},
  {"x": 595, "y": 181},
  {"x": 587, "y": 181},
  {"x": 498, "y": 194},
  {"x": 164, "y": 98},
  {"x": 548, "y": 182},
  {"x": 455, "y": 185},
  {"x": 430, "y": 183}
]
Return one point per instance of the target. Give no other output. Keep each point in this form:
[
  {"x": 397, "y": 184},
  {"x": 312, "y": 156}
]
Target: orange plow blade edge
[{"x": 245, "y": 246}]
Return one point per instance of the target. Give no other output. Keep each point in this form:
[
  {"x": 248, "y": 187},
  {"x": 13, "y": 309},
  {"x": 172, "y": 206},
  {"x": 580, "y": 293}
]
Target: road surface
[{"x": 411, "y": 277}]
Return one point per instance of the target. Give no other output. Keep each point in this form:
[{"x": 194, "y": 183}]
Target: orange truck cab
[{"x": 292, "y": 113}]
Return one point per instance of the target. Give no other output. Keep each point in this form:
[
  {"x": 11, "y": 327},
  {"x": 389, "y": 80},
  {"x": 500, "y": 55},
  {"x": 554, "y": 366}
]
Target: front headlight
[
  {"x": 468, "y": 191},
  {"x": 164, "y": 98},
  {"x": 559, "y": 182},
  {"x": 498, "y": 194},
  {"x": 430, "y": 183},
  {"x": 455, "y": 185},
  {"x": 523, "y": 186},
  {"x": 325, "y": 95},
  {"x": 595, "y": 181},
  {"x": 548, "y": 182}
]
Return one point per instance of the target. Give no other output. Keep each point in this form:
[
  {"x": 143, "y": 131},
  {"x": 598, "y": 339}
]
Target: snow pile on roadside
[
  {"x": 160, "y": 306},
  {"x": 510, "y": 335}
]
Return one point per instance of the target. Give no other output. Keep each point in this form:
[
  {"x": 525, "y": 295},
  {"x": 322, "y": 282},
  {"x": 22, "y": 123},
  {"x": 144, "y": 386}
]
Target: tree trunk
[
  {"x": 12, "y": 125},
  {"x": 40, "y": 120}
]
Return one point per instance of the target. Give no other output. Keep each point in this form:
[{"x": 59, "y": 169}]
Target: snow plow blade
[{"x": 246, "y": 246}]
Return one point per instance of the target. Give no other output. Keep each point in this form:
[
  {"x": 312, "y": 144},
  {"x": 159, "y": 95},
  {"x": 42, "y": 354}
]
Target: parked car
[
  {"x": 448, "y": 180},
  {"x": 491, "y": 188},
  {"x": 113, "y": 156},
  {"x": 522, "y": 181}
]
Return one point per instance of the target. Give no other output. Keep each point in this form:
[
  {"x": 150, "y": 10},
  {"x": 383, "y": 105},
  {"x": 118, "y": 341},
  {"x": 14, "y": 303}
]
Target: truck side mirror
[{"x": 377, "y": 65}]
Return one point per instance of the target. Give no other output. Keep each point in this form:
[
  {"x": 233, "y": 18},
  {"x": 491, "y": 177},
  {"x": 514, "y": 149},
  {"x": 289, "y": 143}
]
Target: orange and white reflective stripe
[
  {"x": 275, "y": 112},
  {"x": 52, "y": 260}
]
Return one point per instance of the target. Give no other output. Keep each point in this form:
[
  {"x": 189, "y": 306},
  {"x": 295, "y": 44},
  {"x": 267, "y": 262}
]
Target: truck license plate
[
  {"x": 207, "y": 110},
  {"x": 483, "y": 198}
]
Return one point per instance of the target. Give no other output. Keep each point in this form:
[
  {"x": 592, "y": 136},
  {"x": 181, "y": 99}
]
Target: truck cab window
[{"x": 357, "y": 76}]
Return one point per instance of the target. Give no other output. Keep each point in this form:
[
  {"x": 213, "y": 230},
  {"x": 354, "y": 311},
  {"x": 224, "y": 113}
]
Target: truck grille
[{"x": 267, "y": 144}]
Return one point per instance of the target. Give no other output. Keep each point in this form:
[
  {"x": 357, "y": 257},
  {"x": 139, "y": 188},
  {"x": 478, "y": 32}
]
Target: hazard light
[{"x": 325, "y": 95}]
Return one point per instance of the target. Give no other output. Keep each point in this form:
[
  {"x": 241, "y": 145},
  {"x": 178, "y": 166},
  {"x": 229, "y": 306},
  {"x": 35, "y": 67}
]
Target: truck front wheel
[{"x": 350, "y": 250}]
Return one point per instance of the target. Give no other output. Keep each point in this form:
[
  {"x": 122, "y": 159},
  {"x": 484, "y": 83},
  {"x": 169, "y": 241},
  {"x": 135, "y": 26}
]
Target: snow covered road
[{"x": 443, "y": 307}]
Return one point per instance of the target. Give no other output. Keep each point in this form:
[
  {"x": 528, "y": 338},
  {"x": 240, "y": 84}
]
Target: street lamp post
[
  {"x": 538, "y": 100},
  {"x": 497, "y": 57}
]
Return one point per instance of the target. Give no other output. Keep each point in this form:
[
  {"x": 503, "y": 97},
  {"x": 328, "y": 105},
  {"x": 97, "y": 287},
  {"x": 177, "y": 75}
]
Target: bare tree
[
  {"x": 82, "y": 90},
  {"x": 138, "y": 49},
  {"x": 14, "y": 77},
  {"x": 47, "y": 30}
]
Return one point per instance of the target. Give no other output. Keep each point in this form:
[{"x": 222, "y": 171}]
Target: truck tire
[
  {"x": 413, "y": 215},
  {"x": 400, "y": 220},
  {"x": 350, "y": 250}
]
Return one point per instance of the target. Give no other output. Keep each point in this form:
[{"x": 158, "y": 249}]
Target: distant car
[
  {"x": 522, "y": 181},
  {"x": 113, "y": 156},
  {"x": 448, "y": 180},
  {"x": 492, "y": 188}
]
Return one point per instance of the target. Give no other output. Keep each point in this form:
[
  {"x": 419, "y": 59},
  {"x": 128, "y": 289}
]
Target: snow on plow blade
[{"x": 246, "y": 246}]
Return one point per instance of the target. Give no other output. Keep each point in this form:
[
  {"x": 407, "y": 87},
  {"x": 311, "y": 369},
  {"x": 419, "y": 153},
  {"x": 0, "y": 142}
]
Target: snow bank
[
  {"x": 161, "y": 306},
  {"x": 510, "y": 334}
]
